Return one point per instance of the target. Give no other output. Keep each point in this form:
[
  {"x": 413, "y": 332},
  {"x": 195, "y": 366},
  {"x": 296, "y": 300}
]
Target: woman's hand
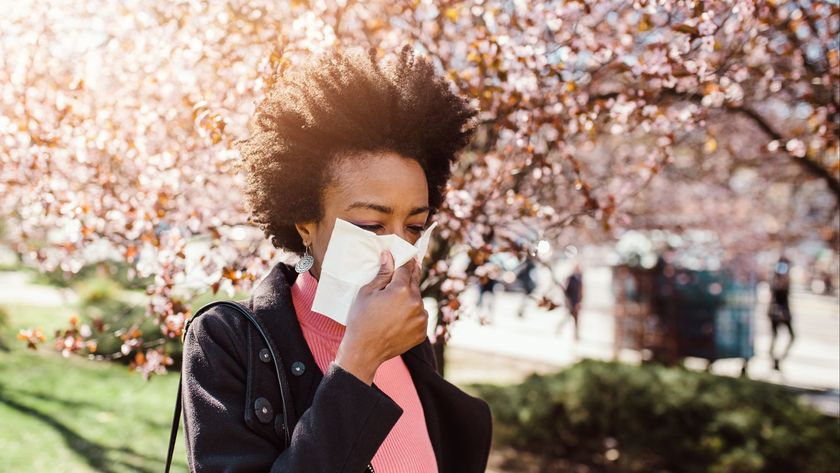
[{"x": 386, "y": 319}]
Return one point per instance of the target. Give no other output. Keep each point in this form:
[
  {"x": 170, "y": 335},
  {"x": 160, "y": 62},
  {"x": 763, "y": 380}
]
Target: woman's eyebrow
[{"x": 384, "y": 208}]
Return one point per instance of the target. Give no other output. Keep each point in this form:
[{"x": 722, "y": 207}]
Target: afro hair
[{"x": 339, "y": 106}]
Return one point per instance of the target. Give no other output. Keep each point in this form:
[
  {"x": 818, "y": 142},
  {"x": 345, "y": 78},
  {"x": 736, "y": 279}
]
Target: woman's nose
[{"x": 404, "y": 234}]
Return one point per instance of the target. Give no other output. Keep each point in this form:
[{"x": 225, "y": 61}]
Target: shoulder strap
[
  {"x": 281, "y": 380},
  {"x": 176, "y": 421}
]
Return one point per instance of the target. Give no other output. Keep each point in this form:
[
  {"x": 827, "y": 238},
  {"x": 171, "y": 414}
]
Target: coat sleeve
[{"x": 339, "y": 433}]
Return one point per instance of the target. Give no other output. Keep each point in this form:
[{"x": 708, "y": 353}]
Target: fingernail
[{"x": 382, "y": 257}]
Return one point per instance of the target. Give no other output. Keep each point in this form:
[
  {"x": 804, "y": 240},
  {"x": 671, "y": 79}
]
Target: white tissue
[{"x": 352, "y": 260}]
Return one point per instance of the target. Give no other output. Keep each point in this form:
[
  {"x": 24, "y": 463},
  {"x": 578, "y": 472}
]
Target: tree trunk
[{"x": 439, "y": 346}]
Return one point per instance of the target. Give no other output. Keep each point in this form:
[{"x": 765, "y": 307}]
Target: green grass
[{"x": 74, "y": 415}]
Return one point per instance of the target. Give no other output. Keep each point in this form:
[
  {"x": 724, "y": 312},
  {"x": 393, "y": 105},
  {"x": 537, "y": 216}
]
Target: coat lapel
[{"x": 272, "y": 304}]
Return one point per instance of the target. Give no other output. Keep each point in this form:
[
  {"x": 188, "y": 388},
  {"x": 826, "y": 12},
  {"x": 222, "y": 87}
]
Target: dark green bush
[
  {"x": 103, "y": 306},
  {"x": 651, "y": 418}
]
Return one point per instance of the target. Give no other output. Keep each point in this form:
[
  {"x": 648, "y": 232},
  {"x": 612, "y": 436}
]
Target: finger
[
  {"x": 402, "y": 275},
  {"x": 424, "y": 316},
  {"x": 386, "y": 271},
  {"x": 416, "y": 272}
]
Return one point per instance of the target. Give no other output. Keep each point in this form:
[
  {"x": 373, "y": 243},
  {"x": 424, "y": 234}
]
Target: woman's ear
[{"x": 306, "y": 231}]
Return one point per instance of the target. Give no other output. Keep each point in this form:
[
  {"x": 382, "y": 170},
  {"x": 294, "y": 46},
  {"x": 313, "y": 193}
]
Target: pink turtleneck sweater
[{"x": 407, "y": 448}]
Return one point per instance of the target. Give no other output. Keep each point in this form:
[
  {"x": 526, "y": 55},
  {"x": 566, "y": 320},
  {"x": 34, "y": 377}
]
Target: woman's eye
[{"x": 375, "y": 228}]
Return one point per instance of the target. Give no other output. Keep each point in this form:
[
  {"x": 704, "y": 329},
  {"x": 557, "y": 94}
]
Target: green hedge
[
  {"x": 100, "y": 299},
  {"x": 627, "y": 418}
]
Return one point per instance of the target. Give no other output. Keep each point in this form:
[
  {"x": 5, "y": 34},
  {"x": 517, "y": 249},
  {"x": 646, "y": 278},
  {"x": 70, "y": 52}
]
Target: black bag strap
[
  {"x": 281, "y": 380},
  {"x": 176, "y": 421}
]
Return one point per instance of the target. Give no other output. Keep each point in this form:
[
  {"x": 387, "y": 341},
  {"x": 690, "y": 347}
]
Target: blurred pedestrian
[
  {"x": 486, "y": 297},
  {"x": 526, "y": 283},
  {"x": 779, "y": 309},
  {"x": 574, "y": 296}
]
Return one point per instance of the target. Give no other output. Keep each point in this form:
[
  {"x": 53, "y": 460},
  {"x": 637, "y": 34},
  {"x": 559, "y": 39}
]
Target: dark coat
[{"x": 233, "y": 408}]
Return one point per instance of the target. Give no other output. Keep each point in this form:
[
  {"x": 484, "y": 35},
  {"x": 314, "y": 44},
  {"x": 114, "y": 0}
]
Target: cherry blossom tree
[{"x": 117, "y": 121}]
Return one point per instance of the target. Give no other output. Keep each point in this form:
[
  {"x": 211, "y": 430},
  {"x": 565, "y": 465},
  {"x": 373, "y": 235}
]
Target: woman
[{"x": 342, "y": 137}]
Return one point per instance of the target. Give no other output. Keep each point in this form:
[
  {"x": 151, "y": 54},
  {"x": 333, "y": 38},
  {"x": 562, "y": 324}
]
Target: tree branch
[
  {"x": 809, "y": 165},
  {"x": 812, "y": 167}
]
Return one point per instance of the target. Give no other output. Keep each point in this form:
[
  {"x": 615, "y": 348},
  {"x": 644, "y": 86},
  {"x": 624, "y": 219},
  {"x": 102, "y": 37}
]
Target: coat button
[
  {"x": 263, "y": 409},
  {"x": 298, "y": 368},
  {"x": 265, "y": 355}
]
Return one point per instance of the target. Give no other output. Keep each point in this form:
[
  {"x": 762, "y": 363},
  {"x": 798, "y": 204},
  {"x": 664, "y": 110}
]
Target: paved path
[
  {"x": 15, "y": 288},
  {"x": 813, "y": 363}
]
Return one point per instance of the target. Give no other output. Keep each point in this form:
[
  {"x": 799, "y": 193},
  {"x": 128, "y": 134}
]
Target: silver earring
[{"x": 305, "y": 263}]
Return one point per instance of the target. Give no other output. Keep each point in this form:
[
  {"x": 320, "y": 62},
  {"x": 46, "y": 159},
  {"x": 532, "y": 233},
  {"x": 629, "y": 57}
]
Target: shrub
[
  {"x": 101, "y": 305},
  {"x": 652, "y": 418},
  {"x": 104, "y": 309}
]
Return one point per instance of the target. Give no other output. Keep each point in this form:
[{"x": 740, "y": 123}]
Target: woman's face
[{"x": 381, "y": 192}]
